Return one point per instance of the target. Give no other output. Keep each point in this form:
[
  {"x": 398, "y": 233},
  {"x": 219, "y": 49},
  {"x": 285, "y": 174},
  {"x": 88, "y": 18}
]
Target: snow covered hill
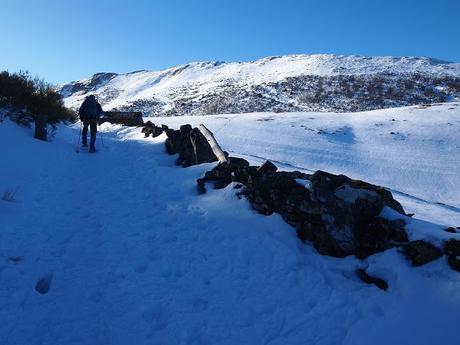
[
  {"x": 284, "y": 83},
  {"x": 127, "y": 251}
]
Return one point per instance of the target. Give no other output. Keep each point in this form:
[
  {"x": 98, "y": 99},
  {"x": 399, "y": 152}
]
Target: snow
[
  {"x": 209, "y": 75},
  {"x": 135, "y": 255}
]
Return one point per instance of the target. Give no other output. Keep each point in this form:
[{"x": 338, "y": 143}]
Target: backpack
[{"x": 89, "y": 109}]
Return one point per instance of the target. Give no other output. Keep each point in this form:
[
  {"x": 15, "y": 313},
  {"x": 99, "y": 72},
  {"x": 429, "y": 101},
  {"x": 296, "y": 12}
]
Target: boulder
[
  {"x": 190, "y": 144},
  {"x": 420, "y": 252}
]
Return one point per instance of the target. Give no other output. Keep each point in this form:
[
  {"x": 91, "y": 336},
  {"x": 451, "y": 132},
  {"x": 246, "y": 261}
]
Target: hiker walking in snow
[{"x": 89, "y": 112}]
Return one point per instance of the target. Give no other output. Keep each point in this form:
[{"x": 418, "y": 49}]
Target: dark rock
[
  {"x": 185, "y": 128},
  {"x": 348, "y": 211},
  {"x": 420, "y": 252},
  {"x": 259, "y": 206},
  {"x": 383, "y": 193},
  {"x": 452, "y": 247},
  {"x": 454, "y": 262},
  {"x": 266, "y": 168},
  {"x": 190, "y": 144},
  {"x": 398, "y": 231},
  {"x": 235, "y": 169},
  {"x": 368, "y": 279},
  {"x": 378, "y": 235},
  {"x": 451, "y": 229},
  {"x": 234, "y": 163},
  {"x": 151, "y": 129}
]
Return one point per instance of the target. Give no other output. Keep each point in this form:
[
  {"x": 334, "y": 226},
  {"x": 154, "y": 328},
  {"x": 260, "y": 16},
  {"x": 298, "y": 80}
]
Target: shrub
[{"x": 32, "y": 95}]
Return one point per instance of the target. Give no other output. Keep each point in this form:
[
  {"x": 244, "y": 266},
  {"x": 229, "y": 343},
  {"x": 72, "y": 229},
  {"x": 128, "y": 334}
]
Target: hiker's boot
[
  {"x": 84, "y": 144},
  {"x": 92, "y": 149}
]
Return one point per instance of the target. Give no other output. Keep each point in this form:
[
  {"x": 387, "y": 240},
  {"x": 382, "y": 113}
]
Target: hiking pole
[
  {"x": 77, "y": 149},
  {"x": 100, "y": 136}
]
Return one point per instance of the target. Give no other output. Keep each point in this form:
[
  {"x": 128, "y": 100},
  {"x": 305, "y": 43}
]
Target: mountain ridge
[{"x": 320, "y": 82}]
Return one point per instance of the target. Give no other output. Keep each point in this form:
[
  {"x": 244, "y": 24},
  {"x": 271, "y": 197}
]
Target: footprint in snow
[
  {"x": 15, "y": 259},
  {"x": 43, "y": 284}
]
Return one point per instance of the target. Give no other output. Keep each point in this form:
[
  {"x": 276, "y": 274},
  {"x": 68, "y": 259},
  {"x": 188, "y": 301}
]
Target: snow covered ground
[{"x": 135, "y": 256}]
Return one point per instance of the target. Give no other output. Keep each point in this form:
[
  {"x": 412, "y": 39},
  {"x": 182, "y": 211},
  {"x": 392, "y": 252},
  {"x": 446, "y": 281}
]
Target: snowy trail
[{"x": 136, "y": 256}]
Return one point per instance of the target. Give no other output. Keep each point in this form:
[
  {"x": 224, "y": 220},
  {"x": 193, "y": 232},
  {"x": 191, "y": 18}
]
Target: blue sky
[{"x": 67, "y": 40}]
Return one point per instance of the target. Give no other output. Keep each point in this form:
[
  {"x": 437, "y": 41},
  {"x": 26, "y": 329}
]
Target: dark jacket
[{"x": 90, "y": 109}]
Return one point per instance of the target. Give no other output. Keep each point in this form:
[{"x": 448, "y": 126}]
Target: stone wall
[{"x": 339, "y": 216}]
